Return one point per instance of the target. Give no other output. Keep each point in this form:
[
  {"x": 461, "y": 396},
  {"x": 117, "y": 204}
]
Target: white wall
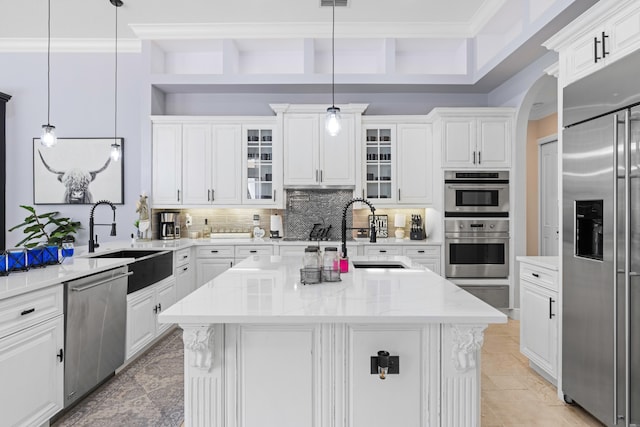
[{"x": 82, "y": 105}]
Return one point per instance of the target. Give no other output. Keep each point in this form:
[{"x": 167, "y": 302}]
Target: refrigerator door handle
[
  {"x": 627, "y": 265},
  {"x": 614, "y": 222}
]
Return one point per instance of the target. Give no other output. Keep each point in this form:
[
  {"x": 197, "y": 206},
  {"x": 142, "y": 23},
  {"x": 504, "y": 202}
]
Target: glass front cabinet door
[
  {"x": 262, "y": 170},
  {"x": 379, "y": 159}
]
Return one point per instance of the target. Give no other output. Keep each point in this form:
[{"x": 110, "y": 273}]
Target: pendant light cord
[
  {"x": 49, "y": 64},
  {"x": 333, "y": 56},
  {"x": 115, "y": 101}
]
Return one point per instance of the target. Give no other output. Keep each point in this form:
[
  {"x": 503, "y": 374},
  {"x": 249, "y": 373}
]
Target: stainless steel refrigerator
[{"x": 601, "y": 243}]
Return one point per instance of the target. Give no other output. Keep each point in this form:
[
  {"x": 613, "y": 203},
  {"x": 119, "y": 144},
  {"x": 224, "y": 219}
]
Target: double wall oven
[{"x": 476, "y": 224}]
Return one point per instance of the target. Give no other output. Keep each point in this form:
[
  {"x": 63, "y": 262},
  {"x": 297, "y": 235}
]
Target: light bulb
[
  {"x": 48, "y": 137},
  {"x": 116, "y": 151},
  {"x": 332, "y": 123}
]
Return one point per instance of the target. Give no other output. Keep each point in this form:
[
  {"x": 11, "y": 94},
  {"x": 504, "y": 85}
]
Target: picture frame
[
  {"x": 77, "y": 171},
  {"x": 381, "y": 223}
]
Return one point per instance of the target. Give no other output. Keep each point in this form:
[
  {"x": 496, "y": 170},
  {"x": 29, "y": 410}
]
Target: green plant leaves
[{"x": 36, "y": 227}]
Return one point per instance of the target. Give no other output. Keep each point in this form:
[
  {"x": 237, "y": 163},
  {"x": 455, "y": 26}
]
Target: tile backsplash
[{"x": 307, "y": 207}]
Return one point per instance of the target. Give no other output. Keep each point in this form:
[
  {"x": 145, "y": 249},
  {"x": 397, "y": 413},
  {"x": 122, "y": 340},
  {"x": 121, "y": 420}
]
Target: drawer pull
[
  {"x": 60, "y": 355},
  {"x": 214, "y": 252},
  {"x": 185, "y": 269},
  {"x": 382, "y": 251},
  {"x": 536, "y": 275},
  {"x": 29, "y": 311},
  {"x": 253, "y": 251},
  {"x": 185, "y": 256},
  {"x": 421, "y": 252}
]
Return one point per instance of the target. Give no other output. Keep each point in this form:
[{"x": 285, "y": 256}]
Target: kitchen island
[{"x": 262, "y": 349}]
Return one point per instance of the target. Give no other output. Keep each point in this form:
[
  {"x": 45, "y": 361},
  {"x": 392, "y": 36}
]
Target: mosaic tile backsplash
[{"x": 308, "y": 207}]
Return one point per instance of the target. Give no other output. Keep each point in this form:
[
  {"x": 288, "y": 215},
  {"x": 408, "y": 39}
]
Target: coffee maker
[{"x": 169, "y": 225}]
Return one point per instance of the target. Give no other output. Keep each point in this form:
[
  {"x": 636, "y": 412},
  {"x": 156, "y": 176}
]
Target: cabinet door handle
[
  {"x": 159, "y": 307},
  {"x": 363, "y": 193},
  {"x": 253, "y": 251},
  {"x": 60, "y": 355},
  {"x": 208, "y": 195},
  {"x": 155, "y": 309},
  {"x": 551, "y": 313},
  {"x": 316, "y": 175},
  {"x": 479, "y": 158},
  {"x": 213, "y": 195},
  {"x": 596, "y": 58},
  {"x": 320, "y": 175},
  {"x": 398, "y": 194},
  {"x": 474, "y": 157},
  {"x": 274, "y": 196},
  {"x": 178, "y": 195},
  {"x": 605, "y": 52},
  {"x": 535, "y": 275},
  {"x": 185, "y": 269},
  {"x": 28, "y": 311},
  {"x": 231, "y": 264}
]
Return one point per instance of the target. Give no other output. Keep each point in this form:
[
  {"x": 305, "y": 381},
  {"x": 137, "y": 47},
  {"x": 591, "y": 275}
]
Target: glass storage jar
[{"x": 331, "y": 265}]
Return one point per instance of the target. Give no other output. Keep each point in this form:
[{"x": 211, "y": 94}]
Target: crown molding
[
  {"x": 287, "y": 30},
  {"x": 484, "y": 15},
  {"x": 58, "y": 45},
  {"x": 553, "y": 69}
]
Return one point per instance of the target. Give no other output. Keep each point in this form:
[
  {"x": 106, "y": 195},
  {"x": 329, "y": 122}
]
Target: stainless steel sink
[
  {"x": 148, "y": 268},
  {"x": 378, "y": 264}
]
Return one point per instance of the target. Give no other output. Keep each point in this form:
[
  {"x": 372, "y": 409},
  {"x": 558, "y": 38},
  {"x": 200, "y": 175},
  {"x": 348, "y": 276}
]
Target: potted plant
[{"x": 44, "y": 234}]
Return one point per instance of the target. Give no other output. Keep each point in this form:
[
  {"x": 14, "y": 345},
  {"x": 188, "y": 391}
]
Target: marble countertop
[
  {"x": 550, "y": 262},
  {"x": 20, "y": 282},
  {"x": 267, "y": 289}
]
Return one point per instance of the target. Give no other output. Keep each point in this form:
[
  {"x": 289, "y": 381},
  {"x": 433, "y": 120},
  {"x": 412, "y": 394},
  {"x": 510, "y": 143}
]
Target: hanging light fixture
[
  {"x": 48, "y": 136},
  {"x": 116, "y": 149},
  {"x": 332, "y": 123}
]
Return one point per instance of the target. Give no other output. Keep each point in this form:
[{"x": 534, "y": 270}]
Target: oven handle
[
  {"x": 475, "y": 186},
  {"x": 467, "y": 239}
]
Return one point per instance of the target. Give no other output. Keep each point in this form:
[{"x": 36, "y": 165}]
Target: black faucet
[
  {"x": 93, "y": 244},
  {"x": 372, "y": 233}
]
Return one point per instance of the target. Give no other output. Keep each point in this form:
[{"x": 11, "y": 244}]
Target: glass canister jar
[
  {"x": 331, "y": 265},
  {"x": 311, "y": 271}
]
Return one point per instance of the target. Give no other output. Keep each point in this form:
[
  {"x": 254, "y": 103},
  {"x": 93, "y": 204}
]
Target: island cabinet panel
[
  {"x": 405, "y": 399},
  {"x": 265, "y": 355},
  {"x": 32, "y": 374}
]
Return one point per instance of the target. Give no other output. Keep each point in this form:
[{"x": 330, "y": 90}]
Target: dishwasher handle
[{"x": 101, "y": 282}]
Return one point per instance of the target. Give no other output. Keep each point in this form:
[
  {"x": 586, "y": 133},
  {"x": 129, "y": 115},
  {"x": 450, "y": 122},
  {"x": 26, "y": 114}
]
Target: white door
[
  {"x": 548, "y": 178},
  {"x": 167, "y": 164},
  {"x": 32, "y": 374},
  {"x": 165, "y": 298},
  {"x": 141, "y": 319},
  {"x": 338, "y": 154},
  {"x": 538, "y": 325},
  {"x": 226, "y": 165},
  {"x": 459, "y": 141},
  {"x": 494, "y": 142},
  {"x": 208, "y": 269},
  {"x": 301, "y": 150},
  {"x": 196, "y": 164},
  {"x": 415, "y": 164}
]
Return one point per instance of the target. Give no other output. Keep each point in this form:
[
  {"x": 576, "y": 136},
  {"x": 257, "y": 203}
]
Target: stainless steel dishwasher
[{"x": 95, "y": 328}]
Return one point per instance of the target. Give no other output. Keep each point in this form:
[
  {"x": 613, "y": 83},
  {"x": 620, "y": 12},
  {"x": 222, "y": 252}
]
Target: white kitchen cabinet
[
  {"x": 184, "y": 273},
  {"x": 539, "y": 318},
  {"x": 167, "y": 163},
  {"x": 426, "y": 255},
  {"x": 31, "y": 357},
  {"x": 312, "y": 157},
  {"x": 398, "y": 161},
  {"x": 262, "y": 170},
  {"x": 606, "y": 32},
  {"x": 212, "y": 261},
  {"x": 476, "y": 138},
  {"x": 415, "y": 164},
  {"x": 211, "y": 162},
  {"x": 143, "y": 307}
]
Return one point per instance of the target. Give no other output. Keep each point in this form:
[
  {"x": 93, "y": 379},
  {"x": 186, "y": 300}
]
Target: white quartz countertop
[
  {"x": 265, "y": 289},
  {"x": 549, "y": 262},
  {"x": 20, "y": 282}
]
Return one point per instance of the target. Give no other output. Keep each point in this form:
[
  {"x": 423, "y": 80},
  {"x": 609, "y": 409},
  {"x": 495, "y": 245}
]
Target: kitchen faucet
[
  {"x": 372, "y": 234},
  {"x": 93, "y": 244}
]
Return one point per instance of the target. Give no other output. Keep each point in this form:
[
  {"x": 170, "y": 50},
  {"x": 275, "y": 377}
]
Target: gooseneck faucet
[
  {"x": 93, "y": 244},
  {"x": 372, "y": 234}
]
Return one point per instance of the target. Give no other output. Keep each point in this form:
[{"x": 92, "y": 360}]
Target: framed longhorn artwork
[{"x": 77, "y": 171}]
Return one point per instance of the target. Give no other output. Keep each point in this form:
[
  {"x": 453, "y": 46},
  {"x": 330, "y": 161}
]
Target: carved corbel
[
  {"x": 198, "y": 346},
  {"x": 466, "y": 340}
]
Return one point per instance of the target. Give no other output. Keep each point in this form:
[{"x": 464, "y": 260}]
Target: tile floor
[
  {"x": 515, "y": 395},
  {"x": 149, "y": 392}
]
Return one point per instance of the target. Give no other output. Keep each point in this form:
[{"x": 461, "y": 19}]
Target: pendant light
[
  {"x": 116, "y": 149},
  {"x": 48, "y": 137},
  {"x": 332, "y": 123}
]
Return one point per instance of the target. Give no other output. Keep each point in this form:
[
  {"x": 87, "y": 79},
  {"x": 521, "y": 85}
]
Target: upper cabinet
[
  {"x": 475, "y": 137},
  {"x": 312, "y": 157},
  {"x": 200, "y": 161},
  {"x": 603, "y": 34},
  {"x": 398, "y": 159}
]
